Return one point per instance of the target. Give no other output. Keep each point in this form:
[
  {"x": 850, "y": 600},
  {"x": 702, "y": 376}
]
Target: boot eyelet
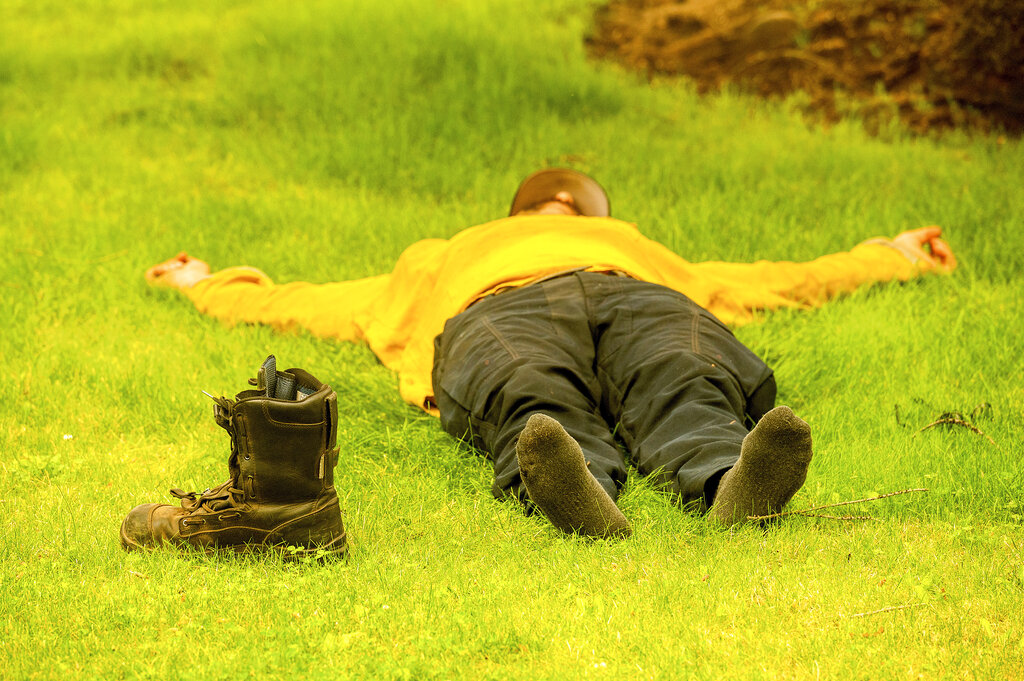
[{"x": 246, "y": 457}]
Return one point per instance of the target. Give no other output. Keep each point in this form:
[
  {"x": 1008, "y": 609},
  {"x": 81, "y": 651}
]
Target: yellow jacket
[{"x": 399, "y": 314}]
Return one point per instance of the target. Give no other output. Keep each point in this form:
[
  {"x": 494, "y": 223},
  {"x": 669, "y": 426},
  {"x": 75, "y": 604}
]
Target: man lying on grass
[{"x": 545, "y": 338}]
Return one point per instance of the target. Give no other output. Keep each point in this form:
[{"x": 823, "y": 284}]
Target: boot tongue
[
  {"x": 280, "y": 385},
  {"x": 266, "y": 377}
]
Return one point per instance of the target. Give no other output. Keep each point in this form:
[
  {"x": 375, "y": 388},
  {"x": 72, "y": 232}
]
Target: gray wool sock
[
  {"x": 556, "y": 477},
  {"x": 772, "y": 466}
]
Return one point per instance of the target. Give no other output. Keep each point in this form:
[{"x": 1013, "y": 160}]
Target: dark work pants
[{"x": 612, "y": 359}]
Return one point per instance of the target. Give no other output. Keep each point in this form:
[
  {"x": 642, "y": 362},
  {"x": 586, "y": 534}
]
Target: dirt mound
[{"x": 933, "y": 63}]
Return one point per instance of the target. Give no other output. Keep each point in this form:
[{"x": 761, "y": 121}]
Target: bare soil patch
[{"x": 934, "y": 64}]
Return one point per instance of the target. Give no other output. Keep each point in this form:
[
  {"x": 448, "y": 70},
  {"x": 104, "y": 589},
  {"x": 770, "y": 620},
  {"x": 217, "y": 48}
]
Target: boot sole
[{"x": 337, "y": 548}]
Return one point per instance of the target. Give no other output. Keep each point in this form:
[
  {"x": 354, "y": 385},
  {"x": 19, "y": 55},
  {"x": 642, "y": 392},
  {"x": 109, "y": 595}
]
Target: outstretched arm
[
  {"x": 739, "y": 289},
  {"x": 244, "y": 294}
]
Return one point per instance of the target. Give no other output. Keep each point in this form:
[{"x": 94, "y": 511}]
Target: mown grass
[{"x": 316, "y": 142}]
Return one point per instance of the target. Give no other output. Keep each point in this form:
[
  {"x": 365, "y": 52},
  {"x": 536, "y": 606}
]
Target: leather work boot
[{"x": 281, "y": 491}]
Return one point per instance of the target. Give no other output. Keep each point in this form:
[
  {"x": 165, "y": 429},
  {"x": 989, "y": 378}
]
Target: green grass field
[{"x": 316, "y": 140}]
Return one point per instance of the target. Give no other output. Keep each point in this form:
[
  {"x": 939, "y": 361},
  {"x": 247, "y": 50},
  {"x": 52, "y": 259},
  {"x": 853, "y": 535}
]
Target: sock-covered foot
[
  {"x": 556, "y": 477},
  {"x": 772, "y": 466}
]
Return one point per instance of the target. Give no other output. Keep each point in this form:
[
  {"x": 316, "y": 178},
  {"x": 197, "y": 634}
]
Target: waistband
[{"x": 549, "y": 277}]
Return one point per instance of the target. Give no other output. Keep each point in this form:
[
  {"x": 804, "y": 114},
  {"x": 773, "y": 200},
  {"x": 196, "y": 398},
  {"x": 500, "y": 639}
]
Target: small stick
[
  {"x": 957, "y": 422},
  {"x": 889, "y": 609},
  {"x": 841, "y": 503},
  {"x": 834, "y": 517}
]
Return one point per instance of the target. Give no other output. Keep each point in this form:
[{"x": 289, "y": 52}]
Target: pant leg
[
  {"x": 517, "y": 353},
  {"x": 680, "y": 386}
]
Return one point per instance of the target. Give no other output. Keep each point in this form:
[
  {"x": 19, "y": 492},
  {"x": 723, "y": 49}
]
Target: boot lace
[{"x": 224, "y": 497}]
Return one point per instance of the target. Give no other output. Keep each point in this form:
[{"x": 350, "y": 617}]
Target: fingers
[
  {"x": 156, "y": 271},
  {"x": 924, "y": 245},
  {"x": 159, "y": 273},
  {"x": 942, "y": 255},
  {"x": 159, "y": 270},
  {"x": 924, "y": 235}
]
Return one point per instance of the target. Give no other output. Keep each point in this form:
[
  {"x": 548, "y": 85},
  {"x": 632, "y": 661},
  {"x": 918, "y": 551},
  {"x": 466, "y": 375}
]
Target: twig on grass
[
  {"x": 949, "y": 420},
  {"x": 807, "y": 514},
  {"x": 889, "y": 609},
  {"x": 805, "y": 511}
]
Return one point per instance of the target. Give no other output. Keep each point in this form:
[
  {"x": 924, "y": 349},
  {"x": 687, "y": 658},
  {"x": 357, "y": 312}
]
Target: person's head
[{"x": 560, "y": 191}]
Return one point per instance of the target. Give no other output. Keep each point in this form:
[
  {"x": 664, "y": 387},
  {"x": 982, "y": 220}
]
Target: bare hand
[
  {"x": 925, "y": 244},
  {"x": 180, "y": 272}
]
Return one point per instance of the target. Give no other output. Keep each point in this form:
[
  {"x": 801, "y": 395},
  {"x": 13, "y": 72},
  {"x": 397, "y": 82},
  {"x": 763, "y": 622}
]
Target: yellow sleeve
[
  {"x": 738, "y": 290},
  {"x": 244, "y": 294}
]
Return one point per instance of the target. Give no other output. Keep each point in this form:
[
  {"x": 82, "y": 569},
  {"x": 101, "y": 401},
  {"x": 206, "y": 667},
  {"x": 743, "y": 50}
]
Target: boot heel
[{"x": 321, "y": 528}]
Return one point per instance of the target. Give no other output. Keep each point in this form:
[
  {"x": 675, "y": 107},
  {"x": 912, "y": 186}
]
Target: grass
[{"x": 316, "y": 142}]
